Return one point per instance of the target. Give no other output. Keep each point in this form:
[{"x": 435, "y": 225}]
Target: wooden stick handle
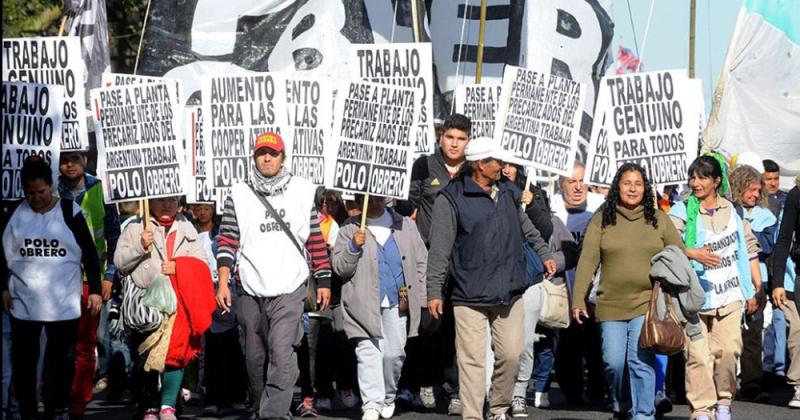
[
  {"x": 364, "y": 212},
  {"x": 63, "y": 25},
  {"x": 528, "y": 182},
  {"x": 146, "y": 213}
]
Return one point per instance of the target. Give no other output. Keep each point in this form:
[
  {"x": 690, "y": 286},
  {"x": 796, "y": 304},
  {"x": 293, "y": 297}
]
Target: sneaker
[
  {"x": 167, "y": 413},
  {"x": 101, "y": 384},
  {"x": 151, "y": 414},
  {"x": 503, "y": 416},
  {"x": 324, "y": 404},
  {"x": 371, "y": 414},
  {"x": 306, "y": 408},
  {"x": 454, "y": 407},
  {"x": 541, "y": 400},
  {"x": 663, "y": 404},
  {"x": 427, "y": 397},
  {"x": 387, "y": 411},
  {"x": 349, "y": 399},
  {"x": 723, "y": 412},
  {"x": 519, "y": 408},
  {"x": 795, "y": 402},
  {"x": 211, "y": 410}
]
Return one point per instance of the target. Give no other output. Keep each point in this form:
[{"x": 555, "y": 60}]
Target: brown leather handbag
[{"x": 664, "y": 336}]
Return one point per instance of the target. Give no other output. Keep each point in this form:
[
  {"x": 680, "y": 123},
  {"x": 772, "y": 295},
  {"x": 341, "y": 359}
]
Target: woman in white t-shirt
[{"x": 47, "y": 247}]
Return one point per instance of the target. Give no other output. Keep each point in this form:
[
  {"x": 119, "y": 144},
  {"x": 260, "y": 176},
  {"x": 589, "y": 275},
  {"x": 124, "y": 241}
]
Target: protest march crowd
[{"x": 479, "y": 290}]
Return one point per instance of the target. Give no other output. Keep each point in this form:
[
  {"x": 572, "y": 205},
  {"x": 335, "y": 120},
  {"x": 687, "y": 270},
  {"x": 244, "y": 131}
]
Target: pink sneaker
[
  {"x": 167, "y": 413},
  {"x": 151, "y": 414}
]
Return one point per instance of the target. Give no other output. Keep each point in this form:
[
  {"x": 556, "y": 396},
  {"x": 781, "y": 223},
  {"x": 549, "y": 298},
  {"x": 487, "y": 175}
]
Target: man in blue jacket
[{"x": 477, "y": 238}]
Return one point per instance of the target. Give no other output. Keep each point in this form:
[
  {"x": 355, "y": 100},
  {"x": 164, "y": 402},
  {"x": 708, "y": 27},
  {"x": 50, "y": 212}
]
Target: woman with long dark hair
[
  {"x": 725, "y": 254},
  {"x": 623, "y": 237}
]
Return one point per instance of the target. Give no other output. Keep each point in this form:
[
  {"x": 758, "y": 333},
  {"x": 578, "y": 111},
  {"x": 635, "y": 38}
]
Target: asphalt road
[{"x": 774, "y": 410}]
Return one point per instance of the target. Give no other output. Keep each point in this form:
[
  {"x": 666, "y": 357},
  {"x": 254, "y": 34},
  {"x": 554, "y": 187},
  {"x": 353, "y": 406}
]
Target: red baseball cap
[{"x": 269, "y": 140}]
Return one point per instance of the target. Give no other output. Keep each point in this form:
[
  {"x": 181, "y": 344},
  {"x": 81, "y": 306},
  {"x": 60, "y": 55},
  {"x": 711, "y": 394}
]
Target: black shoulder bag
[{"x": 311, "y": 281}]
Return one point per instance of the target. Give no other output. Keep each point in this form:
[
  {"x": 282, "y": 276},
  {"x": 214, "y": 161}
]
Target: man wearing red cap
[{"x": 272, "y": 273}]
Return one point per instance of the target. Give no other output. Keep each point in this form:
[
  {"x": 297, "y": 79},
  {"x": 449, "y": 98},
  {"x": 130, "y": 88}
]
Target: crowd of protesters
[{"x": 416, "y": 305}]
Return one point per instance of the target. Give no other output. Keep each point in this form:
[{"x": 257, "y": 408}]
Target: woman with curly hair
[
  {"x": 725, "y": 257},
  {"x": 626, "y": 232}
]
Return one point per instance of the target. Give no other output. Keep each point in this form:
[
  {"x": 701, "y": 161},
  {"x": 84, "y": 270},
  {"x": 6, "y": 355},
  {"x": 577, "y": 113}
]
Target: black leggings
[{"x": 59, "y": 363}]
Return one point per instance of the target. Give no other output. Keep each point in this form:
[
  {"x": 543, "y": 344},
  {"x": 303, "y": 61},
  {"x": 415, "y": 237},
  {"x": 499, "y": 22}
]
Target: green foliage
[{"x": 30, "y": 17}]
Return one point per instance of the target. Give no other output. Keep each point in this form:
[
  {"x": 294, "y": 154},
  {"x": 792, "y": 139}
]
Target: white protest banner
[
  {"x": 200, "y": 190},
  {"x": 652, "y": 120},
  {"x": 122, "y": 79},
  {"x": 402, "y": 64},
  {"x": 310, "y": 109},
  {"x": 236, "y": 109},
  {"x": 480, "y": 104},
  {"x": 140, "y": 154},
  {"x": 372, "y": 146},
  {"x": 539, "y": 119},
  {"x": 53, "y": 61},
  {"x": 31, "y": 126}
]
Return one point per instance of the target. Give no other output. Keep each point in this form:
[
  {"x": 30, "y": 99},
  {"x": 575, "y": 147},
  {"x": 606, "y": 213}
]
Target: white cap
[
  {"x": 484, "y": 148},
  {"x": 750, "y": 159}
]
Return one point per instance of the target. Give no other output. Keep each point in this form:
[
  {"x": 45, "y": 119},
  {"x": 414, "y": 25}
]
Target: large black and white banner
[
  {"x": 373, "y": 139},
  {"x": 480, "y": 104},
  {"x": 140, "y": 154},
  {"x": 194, "y": 38},
  {"x": 408, "y": 65},
  {"x": 539, "y": 119},
  {"x": 53, "y": 61},
  {"x": 568, "y": 38},
  {"x": 200, "y": 189},
  {"x": 31, "y": 126},
  {"x": 651, "y": 119},
  {"x": 236, "y": 110},
  {"x": 310, "y": 110},
  {"x": 88, "y": 21}
]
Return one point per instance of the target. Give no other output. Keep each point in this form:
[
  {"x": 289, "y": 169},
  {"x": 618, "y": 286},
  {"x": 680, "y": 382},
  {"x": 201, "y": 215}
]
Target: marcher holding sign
[
  {"x": 539, "y": 121},
  {"x": 402, "y": 64},
  {"x": 236, "y": 110},
  {"x": 372, "y": 148},
  {"x": 725, "y": 257},
  {"x": 650, "y": 119},
  {"x": 310, "y": 114},
  {"x": 479, "y": 103},
  {"x": 53, "y": 61},
  {"x": 31, "y": 126},
  {"x": 140, "y": 154}
]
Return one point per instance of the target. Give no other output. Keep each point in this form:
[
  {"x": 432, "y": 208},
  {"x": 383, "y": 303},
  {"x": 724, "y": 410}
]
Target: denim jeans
[
  {"x": 662, "y": 361},
  {"x": 775, "y": 344},
  {"x": 532, "y": 299},
  {"x": 633, "y": 387},
  {"x": 380, "y": 361},
  {"x": 544, "y": 358}
]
